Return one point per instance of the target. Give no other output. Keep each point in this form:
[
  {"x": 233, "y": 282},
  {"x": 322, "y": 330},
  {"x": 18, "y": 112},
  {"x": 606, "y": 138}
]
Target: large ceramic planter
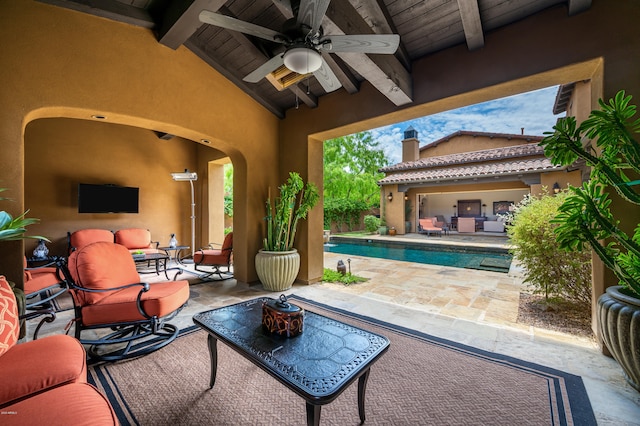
[
  {"x": 619, "y": 322},
  {"x": 277, "y": 270}
]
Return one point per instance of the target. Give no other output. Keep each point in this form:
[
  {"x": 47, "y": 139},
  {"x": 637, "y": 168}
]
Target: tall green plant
[
  {"x": 284, "y": 213},
  {"x": 586, "y": 218}
]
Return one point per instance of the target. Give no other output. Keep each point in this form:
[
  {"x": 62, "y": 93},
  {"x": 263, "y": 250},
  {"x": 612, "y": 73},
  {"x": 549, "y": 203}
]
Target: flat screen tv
[{"x": 107, "y": 199}]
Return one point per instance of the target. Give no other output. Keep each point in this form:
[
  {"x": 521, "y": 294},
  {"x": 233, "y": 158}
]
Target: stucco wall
[{"x": 61, "y": 63}]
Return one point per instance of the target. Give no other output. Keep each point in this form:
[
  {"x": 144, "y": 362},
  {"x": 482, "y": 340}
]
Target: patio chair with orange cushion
[
  {"x": 466, "y": 224},
  {"x": 42, "y": 286},
  {"x": 106, "y": 292},
  {"x": 427, "y": 226},
  {"x": 44, "y": 380},
  {"x": 213, "y": 260},
  {"x": 82, "y": 237}
]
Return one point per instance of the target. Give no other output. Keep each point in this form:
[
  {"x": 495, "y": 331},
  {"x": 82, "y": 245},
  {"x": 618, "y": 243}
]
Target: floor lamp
[{"x": 183, "y": 177}]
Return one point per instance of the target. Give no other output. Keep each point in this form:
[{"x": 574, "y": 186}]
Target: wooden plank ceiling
[{"x": 424, "y": 26}]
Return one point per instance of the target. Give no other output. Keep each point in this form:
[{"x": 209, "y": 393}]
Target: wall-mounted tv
[{"x": 107, "y": 199}]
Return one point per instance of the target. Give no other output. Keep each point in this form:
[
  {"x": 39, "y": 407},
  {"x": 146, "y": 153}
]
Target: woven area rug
[{"x": 421, "y": 380}]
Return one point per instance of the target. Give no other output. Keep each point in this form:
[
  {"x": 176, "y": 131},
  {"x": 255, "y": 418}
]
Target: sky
[{"x": 531, "y": 110}]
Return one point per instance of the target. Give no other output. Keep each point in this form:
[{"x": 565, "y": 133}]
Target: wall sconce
[
  {"x": 406, "y": 197},
  {"x": 556, "y": 188},
  {"x": 390, "y": 197}
]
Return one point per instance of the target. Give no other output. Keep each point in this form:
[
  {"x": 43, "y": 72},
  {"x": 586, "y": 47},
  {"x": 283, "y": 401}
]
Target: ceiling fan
[{"x": 303, "y": 39}]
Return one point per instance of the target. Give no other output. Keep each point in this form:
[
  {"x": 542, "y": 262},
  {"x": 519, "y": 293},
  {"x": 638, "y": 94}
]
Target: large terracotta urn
[
  {"x": 277, "y": 270},
  {"x": 619, "y": 323}
]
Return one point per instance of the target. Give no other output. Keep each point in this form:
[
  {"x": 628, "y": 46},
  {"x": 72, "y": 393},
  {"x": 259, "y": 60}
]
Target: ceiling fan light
[{"x": 302, "y": 60}]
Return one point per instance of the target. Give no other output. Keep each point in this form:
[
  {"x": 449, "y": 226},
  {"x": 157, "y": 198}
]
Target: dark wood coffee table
[{"x": 318, "y": 364}]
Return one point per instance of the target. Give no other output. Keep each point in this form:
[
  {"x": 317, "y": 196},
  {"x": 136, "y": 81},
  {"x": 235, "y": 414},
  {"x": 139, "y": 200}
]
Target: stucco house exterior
[{"x": 467, "y": 174}]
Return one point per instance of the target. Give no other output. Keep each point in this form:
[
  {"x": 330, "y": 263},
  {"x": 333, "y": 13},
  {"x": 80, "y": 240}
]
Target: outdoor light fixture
[
  {"x": 406, "y": 197},
  {"x": 556, "y": 188},
  {"x": 183, "y": 177},
  {"x": 302, "y": 60},
  {"x": 390, "y": 197}
]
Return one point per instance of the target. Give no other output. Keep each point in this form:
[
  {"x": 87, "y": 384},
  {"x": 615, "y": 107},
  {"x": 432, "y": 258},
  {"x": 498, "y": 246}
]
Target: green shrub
[
  {"x": 343, "y": 212},
  {"x": 331, "y": 276},
  {"x": 548, "y": 269},
  {"x": 371, "y": 223}
]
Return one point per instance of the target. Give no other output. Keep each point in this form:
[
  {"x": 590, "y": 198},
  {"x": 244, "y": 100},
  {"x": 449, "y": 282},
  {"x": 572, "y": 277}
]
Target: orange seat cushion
[
  {"x": 211, "y": 257},
  {"x": 161, "y": 300},
  {"x": 84, "y": 237},
  {"x": 134, "y": 238},
  {"x": 73, "y": 404},
  {"x": 101, "y": 266},
  {"x": 9, "y": 323},
  {"x": 38, "y": 365},
  {"x": 38, "y": 279}
]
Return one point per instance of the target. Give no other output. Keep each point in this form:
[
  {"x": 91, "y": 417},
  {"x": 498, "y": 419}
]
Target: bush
[
  {"x": 548, "y": 269},
  {"x": 371, "y": 223},
  {"x": 343, "y": 212},
  {"x": 332, "y": 276}
]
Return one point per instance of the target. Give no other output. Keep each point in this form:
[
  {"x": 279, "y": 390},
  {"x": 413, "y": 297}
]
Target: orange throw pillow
[{"x": 9, "y": 323}]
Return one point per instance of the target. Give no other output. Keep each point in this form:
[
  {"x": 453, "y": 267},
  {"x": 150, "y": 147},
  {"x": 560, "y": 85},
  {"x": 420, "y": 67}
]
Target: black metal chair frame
[
  {"x": 215, "y": 269},
  {"x": 46, "y": 304},
  {"x": 138, "y": 337}
]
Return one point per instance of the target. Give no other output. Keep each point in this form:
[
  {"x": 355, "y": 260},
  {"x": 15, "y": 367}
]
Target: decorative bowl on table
[{"x": 282, "y": 318}]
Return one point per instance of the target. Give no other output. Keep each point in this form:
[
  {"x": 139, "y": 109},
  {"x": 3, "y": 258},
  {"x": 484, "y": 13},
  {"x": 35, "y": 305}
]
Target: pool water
[{"x": 488, "y": 259}]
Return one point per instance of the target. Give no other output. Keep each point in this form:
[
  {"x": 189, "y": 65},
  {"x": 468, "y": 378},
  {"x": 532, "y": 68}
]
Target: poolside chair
[
  {"x": 466, "y": 224},
  {"x": 213, "y": 260},
  {"x": 427, "y": 226},
  {"x": 104, "y": 284}
]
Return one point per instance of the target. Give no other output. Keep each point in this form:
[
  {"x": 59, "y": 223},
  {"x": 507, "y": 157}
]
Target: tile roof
[
  {"x": 523, "y": 166},
  {"x": 507, "y": 152}
]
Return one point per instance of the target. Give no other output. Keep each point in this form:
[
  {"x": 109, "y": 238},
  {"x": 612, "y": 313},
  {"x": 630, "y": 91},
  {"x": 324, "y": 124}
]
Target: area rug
[{"x": 421, "y": 380}]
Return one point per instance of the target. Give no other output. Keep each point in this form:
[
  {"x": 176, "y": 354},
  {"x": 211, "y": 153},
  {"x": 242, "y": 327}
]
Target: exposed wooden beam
[
  {"x": 343, "y": 73},
  {"x": 308, "y": 98},
  {"x": 577, "y": 6},
  {"x": 384, "y": 72},
  {"x": 471, "y": 23},
  {"x": 180, "y": 20},
  {"x": 377, "y": 16},
  {"x": 109, "y": 9},
  {"x": 235, "y": 79}
]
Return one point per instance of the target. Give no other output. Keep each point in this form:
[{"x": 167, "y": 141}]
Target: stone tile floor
[{"x": 477, "y": 308}]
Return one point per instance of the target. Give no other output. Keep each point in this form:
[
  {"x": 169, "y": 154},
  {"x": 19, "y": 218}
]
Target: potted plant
[
  {"x": 585, "y": 218},
  {"x": 382, "y": 229},
  {"x": 278, "y": 263},
  {"x": 12, "y": 229}
]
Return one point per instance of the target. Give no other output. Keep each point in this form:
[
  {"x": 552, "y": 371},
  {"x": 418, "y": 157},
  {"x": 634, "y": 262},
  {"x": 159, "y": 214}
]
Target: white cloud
[{"x": 531, "y": 111}]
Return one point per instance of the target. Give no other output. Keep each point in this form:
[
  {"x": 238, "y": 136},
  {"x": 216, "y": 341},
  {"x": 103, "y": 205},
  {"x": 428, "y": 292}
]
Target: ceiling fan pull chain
[{"x": 297, "y": 104}]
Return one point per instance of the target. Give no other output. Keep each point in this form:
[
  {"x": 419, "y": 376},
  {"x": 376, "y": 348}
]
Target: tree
[{"x": 351, "y": 165}]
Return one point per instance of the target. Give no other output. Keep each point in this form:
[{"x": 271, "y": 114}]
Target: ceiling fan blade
[
  {"x": 234, "y": 24},
  {"x": 369, "y": 43},
  {"x": 264, "y": 69},
  {"x": 311, "y": 13},
  {"x": 327, "y": 78}
]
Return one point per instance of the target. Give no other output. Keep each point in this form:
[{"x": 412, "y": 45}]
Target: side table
[{"x": 176, "y": 250}]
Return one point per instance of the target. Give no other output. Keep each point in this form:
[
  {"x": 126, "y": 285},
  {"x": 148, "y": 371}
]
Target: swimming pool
[{"x": 488, "y": 259}]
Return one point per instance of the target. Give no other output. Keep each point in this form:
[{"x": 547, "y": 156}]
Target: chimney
[
  {"x": 410, "y": 145},
  {"x": 522, "y": 131}
]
